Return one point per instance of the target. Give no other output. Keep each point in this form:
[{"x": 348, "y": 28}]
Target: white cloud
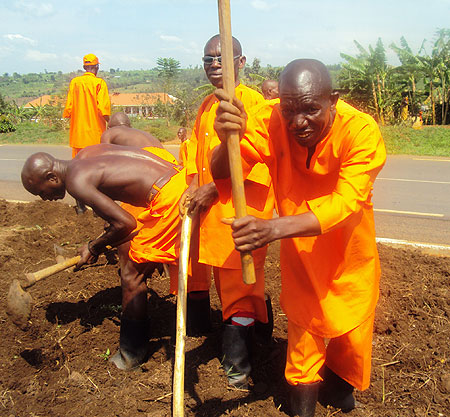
[
  {"x": 169, "y": 38},
  {"x": 262, "y": 5},
  {"x": 35, "y": 55},
  {"x": 34, "y": 8},
  {"x": 17, "y": 37}
]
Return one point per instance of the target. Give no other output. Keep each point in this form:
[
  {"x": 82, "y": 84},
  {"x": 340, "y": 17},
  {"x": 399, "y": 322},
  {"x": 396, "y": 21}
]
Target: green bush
[{"x": 6, "y": 125}]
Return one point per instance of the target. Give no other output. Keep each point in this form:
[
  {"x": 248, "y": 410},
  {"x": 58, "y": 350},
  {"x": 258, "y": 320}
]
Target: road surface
[{"x": 411, "y": 194}]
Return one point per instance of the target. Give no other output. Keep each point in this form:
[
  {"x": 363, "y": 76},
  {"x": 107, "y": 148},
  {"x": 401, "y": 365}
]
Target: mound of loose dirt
[{"x": 57, "y": 367}]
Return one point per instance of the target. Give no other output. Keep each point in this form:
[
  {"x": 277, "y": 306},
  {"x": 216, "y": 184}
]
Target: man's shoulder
[
  {"x": 350, "y": 114},
  {"x": 246, "y": 91}
]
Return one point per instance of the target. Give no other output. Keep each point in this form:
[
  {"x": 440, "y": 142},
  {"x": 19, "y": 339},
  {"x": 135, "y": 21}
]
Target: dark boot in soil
[
  {"x": 336, "y": 392},
  {"x": 133, "y": 345},
  {"x": 303, "y": 399},
  {"x": 263, "y": 331},
  {"x": 80, "y": 207},
  {"x": 235, "y": 351},
  {"x": 198, "y": 321}
]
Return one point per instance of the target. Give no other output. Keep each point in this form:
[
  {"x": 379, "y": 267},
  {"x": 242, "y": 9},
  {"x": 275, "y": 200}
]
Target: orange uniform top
[
  {"x": 87, "y": 103},
  {"x": 183, "y": 152},
  {"x": 216, "y": 245},
  {"x": 330, "y": 282}
]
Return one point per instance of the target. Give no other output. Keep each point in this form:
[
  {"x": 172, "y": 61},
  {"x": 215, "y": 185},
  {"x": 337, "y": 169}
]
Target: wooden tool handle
[
  {"x": 178, "y": 377},
  {"x": 33, "y": 277},
  {"x": 234, "y": 150}
]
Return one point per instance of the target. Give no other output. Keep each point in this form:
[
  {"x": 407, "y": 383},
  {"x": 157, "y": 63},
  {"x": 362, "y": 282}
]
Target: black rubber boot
[
  {"x": 198, "y": 321},
  {"x": 80, "y": 208},
  {"x": 336, "y": 392},
  {"x": 235, "y": 352},
  {"x": 133, "y": 345},
  {"x": 303, "y": 399},
  {"x": 263, "y": 331}
]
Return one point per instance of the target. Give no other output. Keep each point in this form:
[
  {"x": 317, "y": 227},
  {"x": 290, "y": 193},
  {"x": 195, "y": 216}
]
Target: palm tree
[{"x": 367, "y": 76}]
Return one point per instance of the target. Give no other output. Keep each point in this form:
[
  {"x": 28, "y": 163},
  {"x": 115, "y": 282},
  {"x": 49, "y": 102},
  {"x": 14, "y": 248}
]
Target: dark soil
[{"x": 58, "y": 366}]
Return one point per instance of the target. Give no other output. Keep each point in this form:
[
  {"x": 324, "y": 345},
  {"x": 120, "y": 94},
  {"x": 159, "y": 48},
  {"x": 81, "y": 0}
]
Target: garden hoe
[{"x": 20, "y": 303}]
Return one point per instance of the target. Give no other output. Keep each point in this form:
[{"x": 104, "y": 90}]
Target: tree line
[{"x": 420, "y": 84}]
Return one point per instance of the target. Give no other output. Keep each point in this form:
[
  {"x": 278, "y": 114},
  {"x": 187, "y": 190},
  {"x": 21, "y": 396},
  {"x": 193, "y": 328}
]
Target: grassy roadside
[
  {"x": 40, "y": 133},
  {"x": 400, "y": 140},
  {"x": 428, "y": 141}
]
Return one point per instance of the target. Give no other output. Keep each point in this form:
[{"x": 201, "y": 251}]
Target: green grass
[
  {"x": 428, "y": 141},
  {"x": 36, "y": 133},
  {"x": 40, "y": 133}
]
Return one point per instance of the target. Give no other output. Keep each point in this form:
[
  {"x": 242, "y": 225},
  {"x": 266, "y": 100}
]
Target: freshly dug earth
[{"x": 59, "y": 367}]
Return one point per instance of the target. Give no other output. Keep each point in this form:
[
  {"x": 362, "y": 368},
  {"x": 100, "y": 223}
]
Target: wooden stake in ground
[
  {"x": 178, "y": 377},
  {"x": 234, "y": 151}
]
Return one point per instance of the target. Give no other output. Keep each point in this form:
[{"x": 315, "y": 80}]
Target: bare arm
[
  {"x": 121, "y": 223},
  {"x": 106, "y": 137}
]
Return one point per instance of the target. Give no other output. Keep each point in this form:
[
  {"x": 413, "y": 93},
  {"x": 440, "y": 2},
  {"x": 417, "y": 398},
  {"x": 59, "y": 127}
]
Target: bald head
[
  {"x": 119, "y": 119},
  {"x": 215, "y": 41},
  {"x": 269, "y": 89},
  {"x": 35, "y": 170},
  {"x": 42, "y": 175},
  {"x": 306, "y": 74},
  {"x": 307, "y": 101},
  {"x": 182, "y": 134},
  {"x": 214, "y": 69}
]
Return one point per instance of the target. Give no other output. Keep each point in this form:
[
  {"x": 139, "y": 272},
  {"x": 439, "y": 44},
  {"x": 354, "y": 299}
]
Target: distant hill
[{"x": 24, "y": 88}]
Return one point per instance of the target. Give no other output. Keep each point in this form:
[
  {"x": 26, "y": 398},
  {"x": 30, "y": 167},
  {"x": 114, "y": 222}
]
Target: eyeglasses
[{"x": 208, "y": 60}]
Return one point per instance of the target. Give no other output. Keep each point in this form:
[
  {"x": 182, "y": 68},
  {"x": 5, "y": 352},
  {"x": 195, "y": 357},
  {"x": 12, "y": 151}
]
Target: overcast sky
[{"x": 54, "y": 35}]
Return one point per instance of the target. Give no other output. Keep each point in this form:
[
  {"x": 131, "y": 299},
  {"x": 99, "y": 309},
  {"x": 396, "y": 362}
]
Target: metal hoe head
[{"x": 19, "y": 305}]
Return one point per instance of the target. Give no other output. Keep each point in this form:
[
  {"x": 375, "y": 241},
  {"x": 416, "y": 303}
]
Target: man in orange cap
[
  {"x": 323, "y": 156},
  {"x": 88, "y": 107}
]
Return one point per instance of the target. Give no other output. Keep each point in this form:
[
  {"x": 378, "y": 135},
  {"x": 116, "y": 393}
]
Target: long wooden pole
[
  {"x": 178, "y": 377},
  {"x": 234, "y": 151}
]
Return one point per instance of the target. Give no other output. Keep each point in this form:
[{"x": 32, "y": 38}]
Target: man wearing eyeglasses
[{"x": 244, "y": 307}]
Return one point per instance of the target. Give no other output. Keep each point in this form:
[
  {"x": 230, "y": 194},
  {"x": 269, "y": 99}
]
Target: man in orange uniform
[
  {"x": 323, "y": 156},
  {"x": 88, "y": 107},
  {"x": 182, "y": 135},
  {"x": 100, "y": 175},
  {"x": 120, "y": 132},
  {"x": 269, "y": 89},
  {"x": 242, "y": 304}
]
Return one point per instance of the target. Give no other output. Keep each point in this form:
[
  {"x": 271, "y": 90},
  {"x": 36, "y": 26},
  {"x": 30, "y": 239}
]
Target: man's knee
[{"x": 134, "y": 274}]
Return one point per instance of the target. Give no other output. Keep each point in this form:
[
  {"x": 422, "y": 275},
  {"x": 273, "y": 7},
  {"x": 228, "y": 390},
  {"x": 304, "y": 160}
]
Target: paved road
[
  {"x": 412, "y": 199},
  {"x": 411, "y": 194}
]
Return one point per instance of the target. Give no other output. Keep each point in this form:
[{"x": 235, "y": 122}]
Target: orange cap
[{"x": 90, "y": 59}]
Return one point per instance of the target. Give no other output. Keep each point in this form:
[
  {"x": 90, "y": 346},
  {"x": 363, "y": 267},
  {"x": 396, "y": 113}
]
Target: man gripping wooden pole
[{"x": 237, "y": 180}]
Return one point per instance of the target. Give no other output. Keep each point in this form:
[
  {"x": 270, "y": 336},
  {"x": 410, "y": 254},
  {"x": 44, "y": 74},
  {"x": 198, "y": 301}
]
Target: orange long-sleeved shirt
[
  {"x": 330, "y": 282},
  {"x": 183, "y": 152},
  {"x": 87, "y": 103},
  {"x": 216, "y": 245}
]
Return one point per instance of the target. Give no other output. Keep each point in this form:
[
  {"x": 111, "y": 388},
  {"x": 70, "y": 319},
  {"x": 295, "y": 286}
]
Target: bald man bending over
[
  {"x": 323, "y": 156},
  {"x": 98, "y": 176},
  {"x": 120, "y": 132}
]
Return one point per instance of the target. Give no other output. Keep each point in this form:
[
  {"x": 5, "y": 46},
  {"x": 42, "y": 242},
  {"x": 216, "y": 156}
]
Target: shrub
[{"x": 6, "y": 125}]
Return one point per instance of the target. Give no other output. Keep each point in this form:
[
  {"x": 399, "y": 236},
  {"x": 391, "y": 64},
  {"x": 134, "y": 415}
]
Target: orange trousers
[
  {"x": 235, "y": 296},
  {"x": 348, "y": 356}
]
